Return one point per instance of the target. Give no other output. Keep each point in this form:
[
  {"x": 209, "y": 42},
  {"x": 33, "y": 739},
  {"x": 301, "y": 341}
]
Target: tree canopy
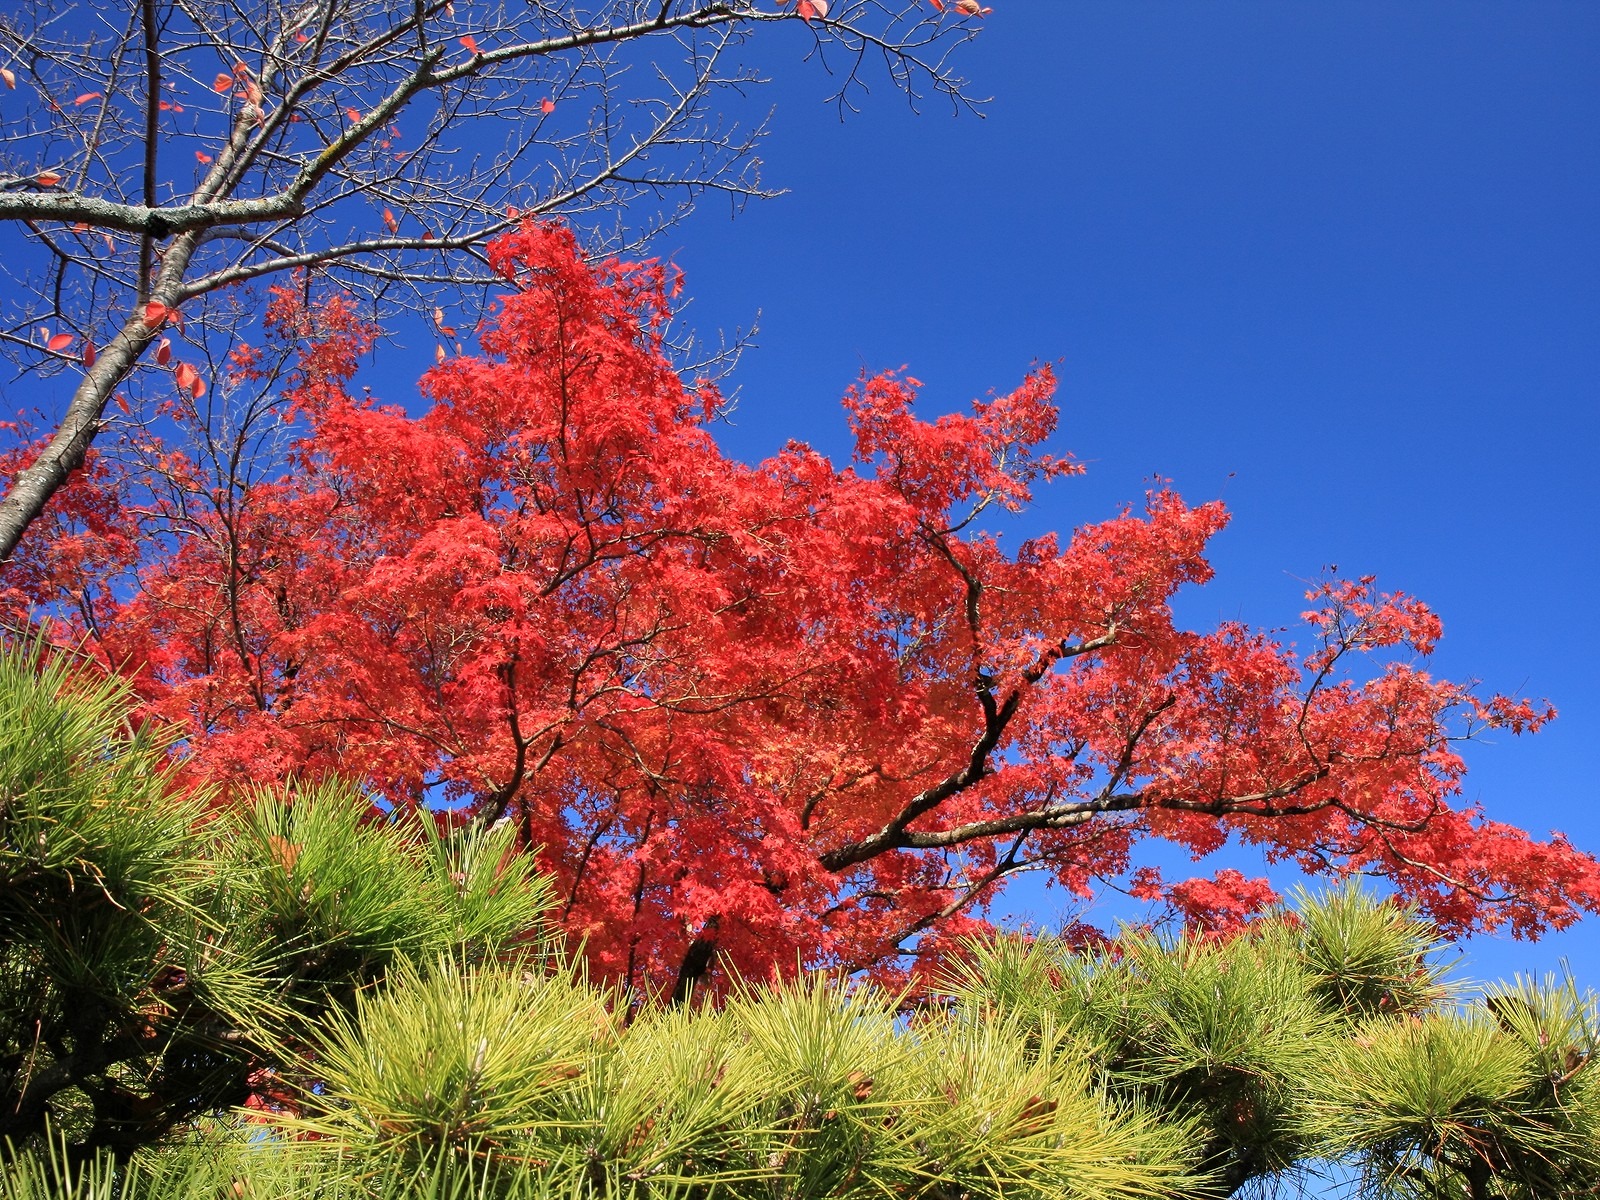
[{"x": 789, "y": 714}]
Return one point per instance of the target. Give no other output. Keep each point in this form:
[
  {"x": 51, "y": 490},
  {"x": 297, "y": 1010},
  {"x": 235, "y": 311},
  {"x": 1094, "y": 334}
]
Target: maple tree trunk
[
  {"x": 34, "y": 485},
  {"x": 696, "y": 963}
]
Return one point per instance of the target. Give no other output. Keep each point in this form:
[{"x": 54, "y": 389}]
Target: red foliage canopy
[{"x": 785, "y": 712}]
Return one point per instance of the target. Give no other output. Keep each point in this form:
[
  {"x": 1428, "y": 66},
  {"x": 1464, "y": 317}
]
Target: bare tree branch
[{"x": 159, "y": 156}]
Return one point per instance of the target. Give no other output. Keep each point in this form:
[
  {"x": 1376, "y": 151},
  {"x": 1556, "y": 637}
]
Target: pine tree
[{"x": 310, "y": 997}]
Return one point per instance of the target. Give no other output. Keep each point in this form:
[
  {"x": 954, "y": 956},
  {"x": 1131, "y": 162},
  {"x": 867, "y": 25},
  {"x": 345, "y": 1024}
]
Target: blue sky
[{"x": 1335, "y": 262}]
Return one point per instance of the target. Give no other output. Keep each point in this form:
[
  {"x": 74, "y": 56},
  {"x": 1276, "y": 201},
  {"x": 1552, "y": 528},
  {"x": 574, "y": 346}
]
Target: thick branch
[
  {"x": 158, "y": 223},
  {"x": 997, "y": 717},
  {"x": 36, "y": 483}
]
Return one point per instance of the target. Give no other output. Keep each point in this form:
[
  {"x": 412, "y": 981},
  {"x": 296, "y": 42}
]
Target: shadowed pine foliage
[{"x": 160, "y": 958}]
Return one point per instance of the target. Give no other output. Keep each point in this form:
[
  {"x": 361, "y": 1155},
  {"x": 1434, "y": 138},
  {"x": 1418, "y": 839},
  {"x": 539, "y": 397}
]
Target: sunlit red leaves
[
  {"x": 241, "y": 83},
  {"x": 470, "y": 45},
  {"x": 189, "y": 380},
  {"x": 957, "y": 457},
  {"x": 1222, "y": 904},
  {"x": 9, "y": 76},
  {"x": 547, "y": 106},
  {"x": 695, "y": 678},
  {"x": 1517, "y": 714},
  {"x": 47, "y": 178}
]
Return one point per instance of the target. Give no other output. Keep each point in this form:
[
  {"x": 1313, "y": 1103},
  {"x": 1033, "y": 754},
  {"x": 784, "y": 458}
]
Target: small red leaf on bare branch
[{"x": 190, "y": 380}]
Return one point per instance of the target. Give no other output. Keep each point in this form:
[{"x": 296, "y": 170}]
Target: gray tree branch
[{"x": 345, "y": 139}]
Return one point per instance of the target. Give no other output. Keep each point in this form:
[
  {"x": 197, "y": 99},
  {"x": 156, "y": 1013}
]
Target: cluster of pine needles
[{"x": 292, "y": 999}]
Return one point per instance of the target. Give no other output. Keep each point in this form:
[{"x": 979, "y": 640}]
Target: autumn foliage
[{"x": 783, "y": 713}]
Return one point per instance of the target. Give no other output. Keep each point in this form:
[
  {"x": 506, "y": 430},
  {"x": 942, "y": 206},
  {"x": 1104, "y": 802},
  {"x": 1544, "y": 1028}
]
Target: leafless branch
[{"x": 155, "y": 158}]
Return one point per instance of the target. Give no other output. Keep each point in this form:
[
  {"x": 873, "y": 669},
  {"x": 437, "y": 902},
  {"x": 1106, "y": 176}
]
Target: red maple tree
[{"x": 786, "y": 713}]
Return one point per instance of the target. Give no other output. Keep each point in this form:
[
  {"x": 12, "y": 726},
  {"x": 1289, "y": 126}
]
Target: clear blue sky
[{"x": 1335, "y": 262}]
